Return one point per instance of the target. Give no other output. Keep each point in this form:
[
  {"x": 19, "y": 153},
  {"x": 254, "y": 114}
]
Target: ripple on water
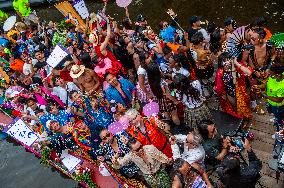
[{"x": 4, "y": 157}]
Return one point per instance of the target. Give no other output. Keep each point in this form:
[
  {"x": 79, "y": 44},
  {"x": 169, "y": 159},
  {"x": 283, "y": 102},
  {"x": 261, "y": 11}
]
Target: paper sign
[
  {"x": 57, "y": 55},
  {"x": 66, "y": 8},
  {"x": 21, "y": 132},
  {"x": 81, "y": 8},
  {"x": 69, "y": 161}
]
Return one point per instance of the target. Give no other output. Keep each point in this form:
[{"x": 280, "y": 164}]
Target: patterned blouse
[
  {"x": 154, "y": 156},
  {"x": 108, "y": 152}
]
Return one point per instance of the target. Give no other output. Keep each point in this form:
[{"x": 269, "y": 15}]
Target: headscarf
[{"x": 82, "y": 137}]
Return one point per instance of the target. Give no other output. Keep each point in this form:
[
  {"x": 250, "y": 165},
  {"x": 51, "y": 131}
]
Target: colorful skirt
[
  {"x": 141, "y": 95},
  {"x": 193, "y": 116},
  {"x": 160, "y": 179}
]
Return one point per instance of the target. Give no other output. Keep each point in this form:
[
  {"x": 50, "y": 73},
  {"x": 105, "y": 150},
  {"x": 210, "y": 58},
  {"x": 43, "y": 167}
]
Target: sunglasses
[
  {"x": 253, "y": 39},
  {"x": 107, "y": 136}
]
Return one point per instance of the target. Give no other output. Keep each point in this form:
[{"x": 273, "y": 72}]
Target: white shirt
[
  {"x": 27, "y": 69},
  {"x": 182, "y": 71},
  {"x": 62, "y": 92},
  {"x": 31, "y": 112},
  {"x": 190, "y": 102},
  {"x": 205, "y": 34},
  {"x": 189, "y": 155}
]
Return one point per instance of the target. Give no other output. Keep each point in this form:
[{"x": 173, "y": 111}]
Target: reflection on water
[
  {"x": 20, "y": 169},
  {"x": 242, "y": 11}
]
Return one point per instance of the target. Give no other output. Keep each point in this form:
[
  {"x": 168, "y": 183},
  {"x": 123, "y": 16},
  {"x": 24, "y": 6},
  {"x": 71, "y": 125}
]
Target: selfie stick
[{"x": 177, "y": 23}]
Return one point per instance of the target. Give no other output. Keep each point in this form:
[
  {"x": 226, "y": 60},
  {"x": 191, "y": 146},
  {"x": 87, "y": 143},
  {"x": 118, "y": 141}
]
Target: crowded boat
[{"x": 97, "y": 97}]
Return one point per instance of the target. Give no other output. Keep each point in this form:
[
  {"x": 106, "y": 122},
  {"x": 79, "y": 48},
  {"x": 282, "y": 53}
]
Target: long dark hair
[
  {"x": 202, "y": 128},
  {"x": 222, "y": 58},
  {"x": 215, "y": 44},
  {"x": 183, "y": 85},
  {"x": 154, "y": 78}
]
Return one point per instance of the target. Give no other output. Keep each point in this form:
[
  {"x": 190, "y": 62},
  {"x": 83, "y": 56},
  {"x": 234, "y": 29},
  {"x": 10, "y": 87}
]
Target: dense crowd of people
[{"x": 113, "y": 71}]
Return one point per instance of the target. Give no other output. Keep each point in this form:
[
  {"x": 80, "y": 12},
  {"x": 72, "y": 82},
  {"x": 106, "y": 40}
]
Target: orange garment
[
  {"x": 173, "y": 46},
  {"x": 153, "y": 136},
  {"x": 17, "y": 65},
  {"x": 268, "y": 34}
]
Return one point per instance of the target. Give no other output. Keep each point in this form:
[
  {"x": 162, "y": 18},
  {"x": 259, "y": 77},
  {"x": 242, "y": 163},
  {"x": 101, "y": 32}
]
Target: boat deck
[{"x": 262, "y": 145}]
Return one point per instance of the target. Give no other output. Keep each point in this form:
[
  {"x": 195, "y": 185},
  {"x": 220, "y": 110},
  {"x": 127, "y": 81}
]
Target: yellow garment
[
  {"x": 11, "y": 33},
  {"x": 4, "y": 75}
]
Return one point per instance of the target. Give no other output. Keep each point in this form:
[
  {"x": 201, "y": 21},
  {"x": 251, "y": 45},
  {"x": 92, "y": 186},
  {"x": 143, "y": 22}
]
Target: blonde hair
[{"x": 131, "y": 114}]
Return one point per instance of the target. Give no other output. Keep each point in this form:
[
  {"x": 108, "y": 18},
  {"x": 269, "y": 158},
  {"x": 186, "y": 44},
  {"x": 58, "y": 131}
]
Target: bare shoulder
[{"x": 176, "y": 182}]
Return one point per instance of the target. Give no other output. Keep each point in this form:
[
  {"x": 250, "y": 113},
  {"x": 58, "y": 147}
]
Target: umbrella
[
  {"x": 151, "y": 109},
  {"x": 236, "y": 41},
  {"x": 13, "y": 91},
  {"x": 278, "y": 40},
  {"x": 123, "y": 3},
  {"x": 118, "y": 126},
  {"x": 9, "y": 23},
  {"x": 115, "y": 127}
]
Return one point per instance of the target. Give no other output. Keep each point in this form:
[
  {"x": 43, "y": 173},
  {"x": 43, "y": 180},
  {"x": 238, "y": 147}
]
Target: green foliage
[
  {"x": 86, "y": 177},
  {"x": 45, "y": 155}
]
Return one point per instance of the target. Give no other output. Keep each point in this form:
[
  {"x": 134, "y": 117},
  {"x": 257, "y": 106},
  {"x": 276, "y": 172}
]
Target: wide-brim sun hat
[{"x": 76, "y": 71}]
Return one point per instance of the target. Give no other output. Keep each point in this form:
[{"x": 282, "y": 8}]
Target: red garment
[
  {"x": 156, "y": 137},
  {"x": 65, "y": 75},
  {"x": 116, "y": 65},
  {"x": 242, "y": 98}
]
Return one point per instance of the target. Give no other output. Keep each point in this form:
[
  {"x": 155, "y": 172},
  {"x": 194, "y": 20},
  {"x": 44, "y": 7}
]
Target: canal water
[
  {"x": 19, "y": 169},
  {"x": 243, "y": 11}
]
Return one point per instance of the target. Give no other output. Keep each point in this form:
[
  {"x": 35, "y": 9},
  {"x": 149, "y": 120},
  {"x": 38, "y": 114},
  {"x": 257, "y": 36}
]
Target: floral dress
[{"x": 140, "y": 93}]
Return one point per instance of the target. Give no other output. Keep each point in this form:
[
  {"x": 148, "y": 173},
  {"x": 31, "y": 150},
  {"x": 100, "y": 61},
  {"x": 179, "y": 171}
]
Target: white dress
[{"x": 140, "y": 94}]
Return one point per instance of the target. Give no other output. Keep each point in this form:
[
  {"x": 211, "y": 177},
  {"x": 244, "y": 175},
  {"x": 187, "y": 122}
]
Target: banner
[
  {"x": 21, "y": 132},
  {"x": 69, "y": 161},
  {"x": 57, "y": 55},
  {"x": 67, "y": 9},
  {"x": 81, "y": 8}
]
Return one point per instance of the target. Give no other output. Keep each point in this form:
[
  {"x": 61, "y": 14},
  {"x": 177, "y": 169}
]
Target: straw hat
[
  {"x": 94, "y": 38},
  {"x": 20, "y": 26},
  {"x": 77, "y": 70}
]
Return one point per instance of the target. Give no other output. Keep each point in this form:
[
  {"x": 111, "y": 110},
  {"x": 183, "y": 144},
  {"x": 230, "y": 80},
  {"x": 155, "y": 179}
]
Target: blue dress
[
  {"x": 127, "y": 87},
  {"x": 101, "y": 118},
  {"x": 62, "y": 118}
]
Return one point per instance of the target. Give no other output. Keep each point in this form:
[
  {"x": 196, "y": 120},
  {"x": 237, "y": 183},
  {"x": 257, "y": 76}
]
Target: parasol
[
  {"x": 13, "y": 91},
  {"x": 123, "y": 3},
  {"x": 235, "y": 42},
  {"x": 151, "y": 109},
  {"x": 277, "y": 40},
  {"x": 115, "y": 127},
  {"x": 9, "y": 23},
  {"x": 118, "y": 126}
]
